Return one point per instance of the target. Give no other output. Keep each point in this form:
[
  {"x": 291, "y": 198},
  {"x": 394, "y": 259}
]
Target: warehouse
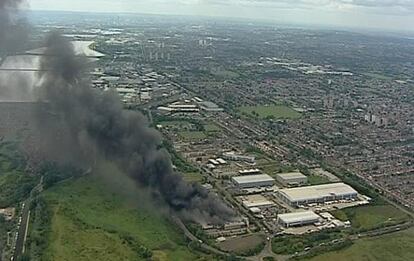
[
  {"x": 298, "y": 219},
  {"x": 255, "y": 201},
  {"x": 317, "y": 194},
  {"x": 251, "y": 181},
  {"x": 237, "y": 157},
  {"x": 209, "y": 106},
  {"x": 292, "y": 179}
]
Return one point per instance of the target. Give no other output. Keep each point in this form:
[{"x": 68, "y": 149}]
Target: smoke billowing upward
[
  {"x": 13, "y": 28},
  {"x": 100, "y": 128},
  {"x": 96, "y": 128},
  {"x": 13, "y": 36}
]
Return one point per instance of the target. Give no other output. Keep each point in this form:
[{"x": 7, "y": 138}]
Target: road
[
  {"x": 193, "y": 238},
  {"x": 24, "y": 224},
  {"x": 22, "y": 231}
]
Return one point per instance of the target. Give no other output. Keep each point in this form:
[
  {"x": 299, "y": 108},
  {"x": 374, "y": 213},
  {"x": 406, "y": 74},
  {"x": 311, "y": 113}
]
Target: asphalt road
[
  {"x": 21, "y": 236},
  {"x": 24, "y": 224}
]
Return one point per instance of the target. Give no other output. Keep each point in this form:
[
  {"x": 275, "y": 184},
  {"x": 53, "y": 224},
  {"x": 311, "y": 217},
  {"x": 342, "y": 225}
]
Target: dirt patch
[{"x": 242, "y": 244}]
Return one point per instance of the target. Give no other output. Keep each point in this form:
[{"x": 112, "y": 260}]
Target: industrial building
[
  {"x": 298, "y": 219},
  {"x": 237, "y": 157},
  {"x": 317, "y": 194},
  {"x": 292, "y": 179},
  {"x": 209, "y": 106},
  {"x": 255, "y": 201},
  {"x": 249, "y": 171},
  {"x": 251, "y": 181}
]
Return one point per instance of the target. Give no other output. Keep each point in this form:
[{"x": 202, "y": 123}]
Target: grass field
[
  {"x": 90, "y": 222},
  {"x": 192, "y": 135},
  {"x": 15, "y": 184},
  {"x": 290, "y": 244},
  {"x": 275, "y": 111},
  {"x": 370, "y": 217},
  {"x": 211, "y": 127},
  {"x": 317, "y": 180},
  {"x": 192, "y": 177},
  {"x": 392, "y": 247}
]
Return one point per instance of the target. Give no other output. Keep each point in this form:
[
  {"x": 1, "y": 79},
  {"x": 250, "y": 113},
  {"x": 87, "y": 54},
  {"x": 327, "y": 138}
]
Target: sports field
[{"x": 275, "y": 111}]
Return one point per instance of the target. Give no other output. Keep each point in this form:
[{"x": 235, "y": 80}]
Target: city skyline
[{"x": 383, "y": 14}]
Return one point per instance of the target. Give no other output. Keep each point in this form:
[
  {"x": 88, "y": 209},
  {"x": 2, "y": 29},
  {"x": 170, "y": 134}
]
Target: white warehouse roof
[
  {"x": 291, "y": 175},
  {"x": 317, "y": 192},
  {"x": 253, "y": 178},
  {"x": 298, "y": 217}
]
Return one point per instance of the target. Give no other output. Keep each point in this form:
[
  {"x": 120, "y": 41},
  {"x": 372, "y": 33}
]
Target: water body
[{"x": 19, "y": 73}]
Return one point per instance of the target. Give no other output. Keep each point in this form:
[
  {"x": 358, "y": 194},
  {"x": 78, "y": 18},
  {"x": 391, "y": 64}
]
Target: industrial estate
[{"x": 313, "y": 154}]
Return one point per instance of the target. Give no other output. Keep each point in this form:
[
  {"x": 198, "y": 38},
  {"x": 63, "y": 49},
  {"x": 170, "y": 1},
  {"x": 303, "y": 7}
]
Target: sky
[{"x": 379, "y": 14}]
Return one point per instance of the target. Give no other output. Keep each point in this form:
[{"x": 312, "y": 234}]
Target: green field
[
  {"x": 392, "y": 247},
  {"x": 371, "y": 216},
  {"x": 91, "y": 222},
  {"x": 317, "y": 180},
  {"x": 290, "y": 244},
  {"x": 211, "y": 127},
  {"x": 15, "y": 184},
  {"x": 273, "y": 111},
  {"x": 192, "y": 135},
  {"x": 193, "y": 177}
]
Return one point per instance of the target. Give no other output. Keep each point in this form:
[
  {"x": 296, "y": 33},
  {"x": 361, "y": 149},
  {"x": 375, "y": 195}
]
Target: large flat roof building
[
  {"x": 210, "y": 106},
  {"x": 256, "y": 201},
  {"x": 298, "y": 218},
  {"x": 251, "y": 181},
  {"x": 317, "y": 194},
  {"x": 237, "y": 157},
  {"x": 292, "y": 179}
]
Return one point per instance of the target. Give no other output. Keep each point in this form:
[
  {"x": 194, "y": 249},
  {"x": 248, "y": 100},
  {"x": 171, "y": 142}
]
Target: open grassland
[
  {"x": 371, "y": 216},
  {"x": 272, "y": 111},
  {"x": 392, "y": 247},
  {"x": 290, "y": 244},
  {"x": 91, "y": 223}
]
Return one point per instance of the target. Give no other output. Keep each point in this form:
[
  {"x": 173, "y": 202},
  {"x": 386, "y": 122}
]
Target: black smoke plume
[
  {"x": 96, "y": 128},
  {"x": 13, "y": 37},
  {"x": 101, "y": 129},
  {"x": 13, "y": 27}
]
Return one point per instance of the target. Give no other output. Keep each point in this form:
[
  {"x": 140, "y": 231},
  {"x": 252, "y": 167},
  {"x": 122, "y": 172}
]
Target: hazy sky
[{"x": 387, "y": 14}]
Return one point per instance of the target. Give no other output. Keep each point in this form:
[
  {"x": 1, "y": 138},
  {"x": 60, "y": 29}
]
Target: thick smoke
[
  {"x": 13, "y": 37},
  {"x": 101, "y": 129},
  {"x": 13, "y": 26},
  {"x": 87, "y": 126}
]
